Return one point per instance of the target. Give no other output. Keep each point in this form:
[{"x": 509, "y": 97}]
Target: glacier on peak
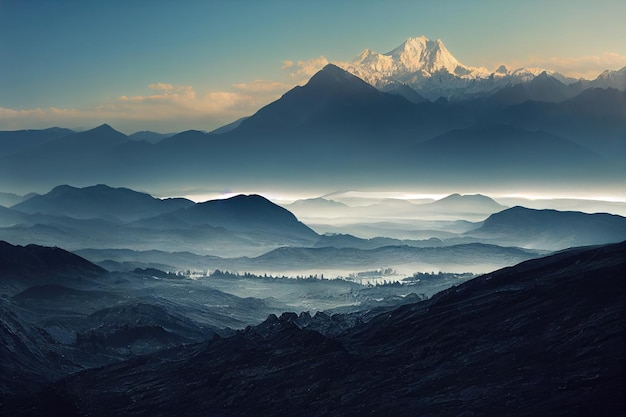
[
  {"x": 429, "y": 68},
  {"x": 413, "y": 55}
]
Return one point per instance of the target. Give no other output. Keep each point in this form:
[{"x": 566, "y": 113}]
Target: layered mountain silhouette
[
  {"x": 33, "y": 260},
  {"x": 470, "y": 203},
  {"x": 527, "y": 340},
  {"x": 526, "y": 227},
  {"x": 333, "y": 98},
  {"x": 101, "y": 217},
  {"x": 339, "y": 130},
  {"x": 100, "y": 201},
  {"x": 594, "y": 119},
  {"x": 515, "y": 154},
  {"x": 242, "y": 213},
  {"x": 16, "y": 141},
  {"x": 541, "y": 88}
]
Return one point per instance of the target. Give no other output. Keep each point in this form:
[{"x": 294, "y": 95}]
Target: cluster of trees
[
  {"x": 236, "y": 275},
  {"x": 420, "y": 276}
]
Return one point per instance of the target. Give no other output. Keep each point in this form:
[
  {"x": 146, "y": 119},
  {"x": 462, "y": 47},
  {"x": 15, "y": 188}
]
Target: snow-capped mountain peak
[
  {"x": 423, "y": 54},
  {"x": 429, "y": 68},
  {"x": 415, "y": 55}
]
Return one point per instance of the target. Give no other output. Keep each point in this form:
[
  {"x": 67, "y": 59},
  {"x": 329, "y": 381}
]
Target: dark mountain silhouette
[
  {"x": 441, "y": 257},
  {"x": 105, "y": 217},
  {"x": 93, "y": 156},
  {"x": 551, "y": 229},
  {"x": 31, "y": 265},
  {"x": 150, "y": 137},
  {"x": 528, "y": 340},
  {"x": 32, "y": 260},
  {"x": 11, "y": 199},
  {"x": 594, "y": 118},
  {"x": 228, "y": 127},
  {"x": 317, "y": 202},
  {"x": 331, "y": 128},
  {"x": 21, "y": 140},
  {"x": 250, "y": 214},
  {"x": 512, "y": 154},
  {"x": 317, "y": 207},
  {"x": 400, "y": 89},
  {"x": 607, "y": 79},
  {"x": 348, "y": 241},
  {"x": 543, "y": 87},
  {"x": 89, "y": 141},
  {"x": 25, "y": 356},
  {"x": 332, "y": 98},
  {"x": 476, "y": 203},
  {"x": 100, "y": 201},
  {"x": 10, "y": 217},
  {"x": 338, "y": 129}
]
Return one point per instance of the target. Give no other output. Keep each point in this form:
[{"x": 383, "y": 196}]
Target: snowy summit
[{"x": 429, "y": 68}]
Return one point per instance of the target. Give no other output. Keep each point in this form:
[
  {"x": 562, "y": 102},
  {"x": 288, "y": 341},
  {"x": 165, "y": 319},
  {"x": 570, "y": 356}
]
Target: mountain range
[
  {"x": 428, "y": 68},
  {"x": 122, "y": 229},
  {"x": 550, "y": 228},
  {"x": 100, "y": 201},
  {"x": 529, "y": 127},
  {"x": 105, "y": 217}
]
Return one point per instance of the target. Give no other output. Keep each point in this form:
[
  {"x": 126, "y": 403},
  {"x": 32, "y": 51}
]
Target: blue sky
[{"x": 171, "y": 66}]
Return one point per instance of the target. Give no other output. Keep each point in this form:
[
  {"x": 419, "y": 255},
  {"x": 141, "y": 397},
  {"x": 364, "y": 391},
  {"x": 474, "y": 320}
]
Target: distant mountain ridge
[
  {"x": 244, "y": 213},
  {"x": 432, "y": 71},
  {"x": 100, "y": 201},
  {"x": 103, "y": 216},
  {"x": 20, "y": 140},
  {"x": 33, "y": 261},
  {"x": 331, "y": 97},
  {"x": 551, "y": 228},
  {"x": 338, "y": 129}
]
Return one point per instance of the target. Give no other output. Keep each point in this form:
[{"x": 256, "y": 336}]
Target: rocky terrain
[{"x": 542, "y": 338}]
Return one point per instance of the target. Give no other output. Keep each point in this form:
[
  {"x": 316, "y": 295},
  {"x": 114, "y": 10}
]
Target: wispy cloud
[
  {"x": 165, "y": 92},
  {"x": 263, "y": 86},
  {"x": 164, "y": 104},
  {"x": 303, "y": 70},
  {"x": 587, "y": 67},
  {"x": 176, "y": 105}
]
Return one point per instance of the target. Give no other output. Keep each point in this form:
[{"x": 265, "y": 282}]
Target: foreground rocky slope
[{"x": 542, "y": 338}]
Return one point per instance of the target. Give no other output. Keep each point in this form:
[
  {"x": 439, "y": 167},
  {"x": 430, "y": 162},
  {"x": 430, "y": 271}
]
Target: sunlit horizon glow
[
  {"x": 591, "y": 197},
  {"x": 287, "y": 197}
]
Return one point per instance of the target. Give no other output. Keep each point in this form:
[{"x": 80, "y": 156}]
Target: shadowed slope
[{"x": 542, "y": 338}]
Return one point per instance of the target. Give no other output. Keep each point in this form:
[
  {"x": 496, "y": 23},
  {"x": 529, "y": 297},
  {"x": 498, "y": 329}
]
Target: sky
[{"x": 170, "y": 66}]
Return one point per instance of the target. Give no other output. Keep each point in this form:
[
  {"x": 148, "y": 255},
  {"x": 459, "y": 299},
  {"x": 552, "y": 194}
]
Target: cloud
[
  {"x": 182, "y": 103},
  {"x": 263, "y": 86},
  {"x": 169, "y": 107},
  {"x": 588, "y": 67},
  {"x": 178, "y": 106},
  {"x": 39, "y": 118},
  {"x": 306, "y": 69},
  {"x": 166, "y": 92}
]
